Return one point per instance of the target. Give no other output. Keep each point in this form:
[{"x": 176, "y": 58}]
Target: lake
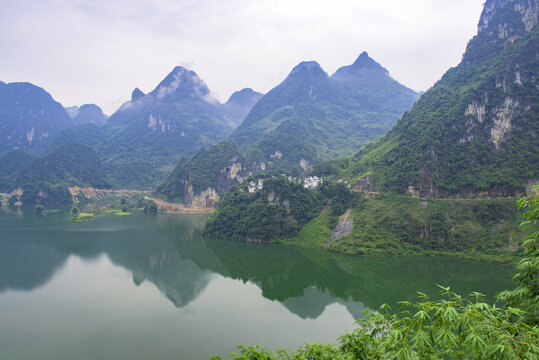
[{"x": 150, "y": 287}]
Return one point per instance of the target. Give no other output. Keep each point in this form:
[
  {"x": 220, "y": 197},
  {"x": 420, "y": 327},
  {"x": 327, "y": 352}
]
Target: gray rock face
[
  {"x": 343, "y": 228},
  {"x": 502, "y": 23},
  {"x": 528, "y": 10}
]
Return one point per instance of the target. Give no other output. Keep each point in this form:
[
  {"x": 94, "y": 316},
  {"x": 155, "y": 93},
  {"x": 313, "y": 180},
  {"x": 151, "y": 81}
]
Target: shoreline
[{"x": 178, "y": 208}]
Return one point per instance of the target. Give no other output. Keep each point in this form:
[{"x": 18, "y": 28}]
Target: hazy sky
[{"x": 98, "y": 51}]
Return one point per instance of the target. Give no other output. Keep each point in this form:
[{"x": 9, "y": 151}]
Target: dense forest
[
  {"x": 280, "y": 208},
  {"x": 45, "y": 179}
]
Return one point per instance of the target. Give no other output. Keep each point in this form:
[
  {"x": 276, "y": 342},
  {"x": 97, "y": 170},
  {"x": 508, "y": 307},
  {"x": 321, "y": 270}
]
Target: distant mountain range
[
  {"x": 472, "y": 134},
  {"x": 87, "y": 113},
  {"x": 146, "y": 136},
  {"x": 140, "y": 143},
  {"x": 311, "y": 117}
]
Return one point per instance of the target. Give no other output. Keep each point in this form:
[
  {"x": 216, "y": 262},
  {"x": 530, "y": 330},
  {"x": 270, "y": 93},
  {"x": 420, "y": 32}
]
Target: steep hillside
[
  {"x": 369, "y": 85},
  {"x": 45, "y": 179},
  {"x": 311, "y": 117},
  {"x": 29, "y": 117},
  {"x": 475, "y": 132},
  {"x": 200, "y": 181},
  {"x": 136, "y": 94}
]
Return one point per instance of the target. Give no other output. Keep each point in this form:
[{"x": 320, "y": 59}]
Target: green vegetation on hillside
[
  {"x": 454, "y": 140},
  {"x": 391, "y": 224},
  {"x": 386, "y": 224},
  {"x": 314, "y": 117},
  {"x": 147, "y": 206},
  {"x": 145, "y": 138},
  {"x": 208, "y": 168},
  {"x": 45, "y": 179},
  {"x": 11, "y": 163},
  {"x": 86, "y": 134},
  {"x": 279, "y": 209},
  {"x": 451, "y": 328}
]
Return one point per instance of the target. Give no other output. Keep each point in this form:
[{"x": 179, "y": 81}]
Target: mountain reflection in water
[{"x": 169, "y": 251}]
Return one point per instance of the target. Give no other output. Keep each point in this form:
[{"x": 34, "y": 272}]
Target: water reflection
[{"x": 168, "y": 251}]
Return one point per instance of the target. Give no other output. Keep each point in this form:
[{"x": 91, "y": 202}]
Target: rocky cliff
[
  {"x": 200, "y": 181},
  {"x": 475, "y": 132}
]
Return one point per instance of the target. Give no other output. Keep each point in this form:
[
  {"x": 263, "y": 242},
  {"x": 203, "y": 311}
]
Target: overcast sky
[{"x": 98, "y": 51}]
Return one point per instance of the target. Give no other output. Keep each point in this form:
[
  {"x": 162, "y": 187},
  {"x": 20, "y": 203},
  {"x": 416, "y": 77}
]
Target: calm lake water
[{"x": 149, "y": 287}]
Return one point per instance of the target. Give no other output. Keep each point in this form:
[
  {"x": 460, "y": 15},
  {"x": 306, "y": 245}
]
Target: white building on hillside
[{"x": 311, "y": 182}]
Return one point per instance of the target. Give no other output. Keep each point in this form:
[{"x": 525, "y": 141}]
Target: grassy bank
[{"x": 479, "y": 229}]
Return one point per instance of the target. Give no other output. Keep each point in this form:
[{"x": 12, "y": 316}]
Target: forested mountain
[
  {"x": 87, "y": 134},
  {"x": 87, "y": 113},
  {"x": 311, "y": 117},
  {"x": 240, "y": 103},
  {"x": 475, "y": 132},
  {"x": 179, "y": 112},
  {"x": 371, "y": 87},
  {"x": 141, "y": 141},
  {"x": 149, "y": 134},
  {"x": 45, "y": 179},
  {"x": 29, "y": 117}
]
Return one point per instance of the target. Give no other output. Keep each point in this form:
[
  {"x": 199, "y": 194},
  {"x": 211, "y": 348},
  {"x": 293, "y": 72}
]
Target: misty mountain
[
  {"x": 310, "y": 117},
  {"x": 87, "y": 113},
  {"x": 146, "y": 136},
  {"x": 239, "y": 104},
  {"x": 29, "y": 117}
]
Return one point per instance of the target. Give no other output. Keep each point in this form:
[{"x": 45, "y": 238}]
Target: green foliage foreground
[{"x": 451, "y": 328}]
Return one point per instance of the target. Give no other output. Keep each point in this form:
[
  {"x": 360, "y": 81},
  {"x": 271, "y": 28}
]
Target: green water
[{"x": 149, "y": 287}]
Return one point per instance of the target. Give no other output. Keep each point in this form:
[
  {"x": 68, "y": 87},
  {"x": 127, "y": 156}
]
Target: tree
[
  {"x": 148, "y": 206},
  {"x": 123, "y": 204},
  {"x": 39, "y": 209},
  {"x": 526, "y": 295}
]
